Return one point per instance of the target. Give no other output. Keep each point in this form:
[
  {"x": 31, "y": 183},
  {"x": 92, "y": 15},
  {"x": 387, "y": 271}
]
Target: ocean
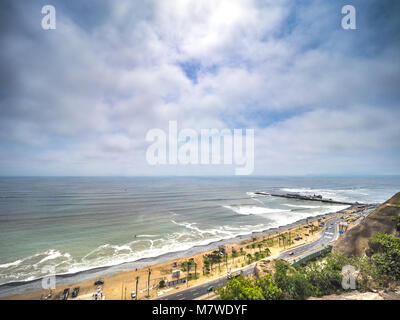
[{"x": 73, "y": 224}]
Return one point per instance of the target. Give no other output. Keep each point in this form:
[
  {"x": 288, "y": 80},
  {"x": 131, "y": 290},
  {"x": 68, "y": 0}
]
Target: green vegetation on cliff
[
  {"x": 323, "y": 276},
  {"x": 246, "y": 288}
]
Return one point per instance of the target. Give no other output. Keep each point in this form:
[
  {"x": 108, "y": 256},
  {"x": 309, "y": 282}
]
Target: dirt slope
[{"x": 355, "y": 241}]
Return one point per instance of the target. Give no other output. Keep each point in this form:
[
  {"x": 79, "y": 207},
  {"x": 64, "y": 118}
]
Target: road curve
[{"x": 329, "y": 233}]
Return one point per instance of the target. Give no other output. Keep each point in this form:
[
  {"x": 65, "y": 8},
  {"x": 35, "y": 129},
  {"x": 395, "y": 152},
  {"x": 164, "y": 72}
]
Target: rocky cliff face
[{"x": 355, "y": 241}]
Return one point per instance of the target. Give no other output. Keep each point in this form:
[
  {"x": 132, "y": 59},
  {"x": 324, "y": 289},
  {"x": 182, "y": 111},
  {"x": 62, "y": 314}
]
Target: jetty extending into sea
[{"x": 314, "y": 197}]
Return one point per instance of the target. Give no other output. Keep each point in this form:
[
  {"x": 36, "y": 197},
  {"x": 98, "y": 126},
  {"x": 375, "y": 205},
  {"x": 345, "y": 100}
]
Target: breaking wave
[
  {"x": 253, "y": 210},
  {"x": 147, "y": 246}
]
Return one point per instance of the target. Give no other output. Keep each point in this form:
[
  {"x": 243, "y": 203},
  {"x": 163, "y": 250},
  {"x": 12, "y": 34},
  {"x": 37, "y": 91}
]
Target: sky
[{"x": 80, "y": 99}]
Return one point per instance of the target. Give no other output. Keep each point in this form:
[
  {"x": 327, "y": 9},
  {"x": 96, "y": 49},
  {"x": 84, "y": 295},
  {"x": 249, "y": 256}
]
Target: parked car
[
  {"x": 233, "y": 275},
  {"x": 75, "y": 292},
  {"x": 99, "y": 282},
  {"x": 210, "y": 289},
  {"x": 65, "y": 294},
  {"x": 133, "y": 294},
  {"x": 291, "y": 253}
]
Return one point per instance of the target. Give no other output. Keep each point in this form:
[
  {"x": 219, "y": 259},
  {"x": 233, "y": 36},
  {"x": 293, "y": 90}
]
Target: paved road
[
  {"x": 366, "y": 213},
  {"x": 329, "y": 233},
  {"x": 201, "y": 290}
]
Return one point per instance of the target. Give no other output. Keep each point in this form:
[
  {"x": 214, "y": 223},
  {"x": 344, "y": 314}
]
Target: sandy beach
[{"x": 120, "y": 285}]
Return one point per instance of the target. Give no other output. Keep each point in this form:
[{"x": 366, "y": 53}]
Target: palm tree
[
  {"x": 216, "y": 258},
  {"x": 267, "y": 252},
  {"x": 188, "y": 273},
  {"x": 249, "y": 257},
  {"x": 137, "y": 282},
  {"x": 206, "y": 263},
  {"x": 233, "y": 255},
  {"x": 259, "y": 247},
  {"x": 148, "y": 282}
]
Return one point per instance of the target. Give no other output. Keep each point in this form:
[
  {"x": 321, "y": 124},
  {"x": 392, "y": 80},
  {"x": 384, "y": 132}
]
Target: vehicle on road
[
  {"x": 232, "y": 275},
  {"x": 133, "y": 294},
  {"x": 75, "y": 292},
  {"x": 291, "y": 253},
  {"x": 65, "y": 294},
  {"x": 99, "y": 282},
  {"x": 210, "y": 289}
]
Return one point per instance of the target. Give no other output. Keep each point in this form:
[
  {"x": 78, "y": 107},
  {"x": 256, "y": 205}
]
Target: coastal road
[
  {"x": 200, "y": 290},
  {"x": 329, "y": 233}
]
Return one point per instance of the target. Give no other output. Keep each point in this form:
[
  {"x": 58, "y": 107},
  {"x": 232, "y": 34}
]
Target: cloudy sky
[{"x": 80, "y": 99}]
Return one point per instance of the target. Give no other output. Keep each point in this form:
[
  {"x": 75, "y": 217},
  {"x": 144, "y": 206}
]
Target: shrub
[
  {"x": 386, "y": 255},
  {"x": 293, "y": 283},
  {"x": 245, "y": 288}
]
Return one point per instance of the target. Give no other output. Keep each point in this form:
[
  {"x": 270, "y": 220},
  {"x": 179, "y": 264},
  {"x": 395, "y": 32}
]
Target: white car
[{"x": 133, "y": 294}]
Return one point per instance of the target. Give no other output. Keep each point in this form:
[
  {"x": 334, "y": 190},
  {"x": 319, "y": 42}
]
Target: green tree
[
  {"x": 386, "y": 255},
  {"x": 234, "y": 255},
  {"x": 148, "y": 281},
  {"x": 206, "y": 265},
  {"x": 245, "y": 288},
  {"x": 249, "y": 256},
  {"x": 137, "y": 282},
  {"x": 294, "y": 284}
]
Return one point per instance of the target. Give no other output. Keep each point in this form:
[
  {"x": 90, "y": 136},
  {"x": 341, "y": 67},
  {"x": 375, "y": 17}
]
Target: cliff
[{"x": 355, "y": 241}]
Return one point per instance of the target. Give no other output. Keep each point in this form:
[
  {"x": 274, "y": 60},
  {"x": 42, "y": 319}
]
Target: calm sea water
[{"x": 75, "y": 224}]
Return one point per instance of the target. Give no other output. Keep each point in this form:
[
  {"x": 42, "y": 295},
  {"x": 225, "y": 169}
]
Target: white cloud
[{"x": 91, "y": 94}]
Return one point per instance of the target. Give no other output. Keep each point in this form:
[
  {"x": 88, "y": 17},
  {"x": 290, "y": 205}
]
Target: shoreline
[{"x": 32, "y": 286}]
